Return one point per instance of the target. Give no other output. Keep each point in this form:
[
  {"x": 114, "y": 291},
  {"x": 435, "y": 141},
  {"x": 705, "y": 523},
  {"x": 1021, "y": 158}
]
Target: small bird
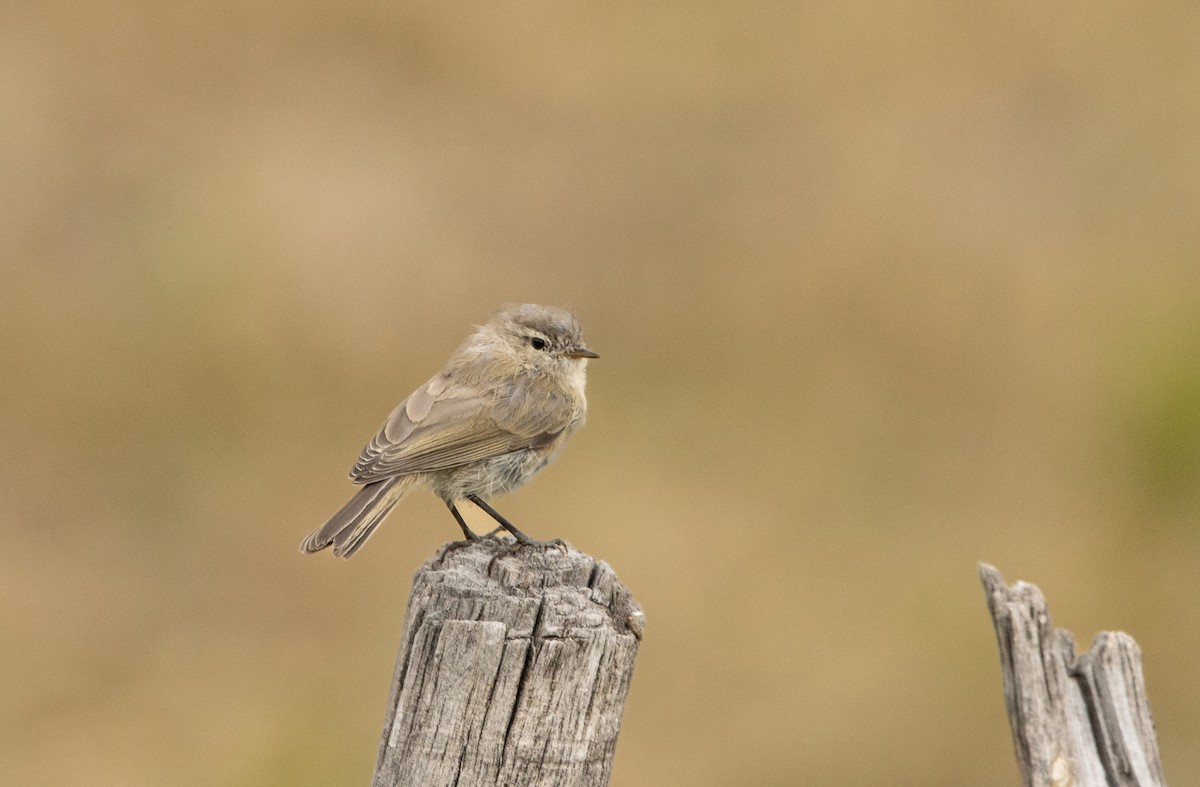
[{"x": 505, "y": 404}]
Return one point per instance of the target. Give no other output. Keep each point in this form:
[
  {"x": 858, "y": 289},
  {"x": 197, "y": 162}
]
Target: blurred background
[{"x": 881, "y": 290}]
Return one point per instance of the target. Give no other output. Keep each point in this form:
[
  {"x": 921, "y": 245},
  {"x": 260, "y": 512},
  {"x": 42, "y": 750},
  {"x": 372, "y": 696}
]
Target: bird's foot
[{"x": 525, "y": 542}]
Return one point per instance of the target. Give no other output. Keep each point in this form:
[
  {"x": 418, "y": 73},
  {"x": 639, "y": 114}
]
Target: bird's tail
[{"x": 350, "y": 527}]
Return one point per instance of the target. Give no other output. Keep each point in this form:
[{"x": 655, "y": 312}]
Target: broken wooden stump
[
  {"x": 514, "y": 666},
  {"x": 1081, "y": 721}
]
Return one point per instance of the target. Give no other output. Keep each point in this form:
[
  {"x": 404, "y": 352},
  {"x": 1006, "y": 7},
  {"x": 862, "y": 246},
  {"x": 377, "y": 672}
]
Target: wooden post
[
  {"x": 1082, "y": 721},
  {"x": 513, "y": 670}
]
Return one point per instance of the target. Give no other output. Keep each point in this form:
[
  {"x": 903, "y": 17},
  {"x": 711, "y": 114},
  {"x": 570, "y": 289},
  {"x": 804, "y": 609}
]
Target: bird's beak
[{"x": 582, "y": 352}]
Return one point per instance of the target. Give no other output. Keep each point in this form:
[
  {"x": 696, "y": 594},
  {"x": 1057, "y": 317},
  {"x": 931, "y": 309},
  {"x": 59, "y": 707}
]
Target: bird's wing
[{"x": 444, "y": 424}]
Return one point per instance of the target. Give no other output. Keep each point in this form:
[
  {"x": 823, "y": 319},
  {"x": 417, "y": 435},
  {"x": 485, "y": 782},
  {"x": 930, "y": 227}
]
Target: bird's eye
[{"x": 537, "y": 342}]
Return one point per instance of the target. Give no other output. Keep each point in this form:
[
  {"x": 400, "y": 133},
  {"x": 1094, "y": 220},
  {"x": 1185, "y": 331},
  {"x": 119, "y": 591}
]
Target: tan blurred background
[{"x": 882, "y": 290}]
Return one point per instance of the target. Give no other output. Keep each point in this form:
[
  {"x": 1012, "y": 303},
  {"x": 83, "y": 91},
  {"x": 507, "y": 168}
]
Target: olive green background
[{"x": 881, "y": 290}]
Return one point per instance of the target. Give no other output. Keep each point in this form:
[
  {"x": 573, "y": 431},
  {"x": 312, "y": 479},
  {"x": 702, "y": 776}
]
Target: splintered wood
[
  {"x": 513, "y": 670},
  {"x": 1080, "y": 721}
]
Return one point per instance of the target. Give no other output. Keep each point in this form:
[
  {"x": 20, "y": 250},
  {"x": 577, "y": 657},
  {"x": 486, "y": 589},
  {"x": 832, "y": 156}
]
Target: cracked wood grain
[
  {"x": 1080, "y": 721},
  {"x": 513, "y": 669}
]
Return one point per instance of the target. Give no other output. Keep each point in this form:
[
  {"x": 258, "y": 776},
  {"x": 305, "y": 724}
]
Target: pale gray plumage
[{"x": 506, "y": 402}]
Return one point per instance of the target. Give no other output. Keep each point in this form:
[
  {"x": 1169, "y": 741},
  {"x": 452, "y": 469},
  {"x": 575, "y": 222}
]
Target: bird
[{"x": 504, "y": 405}]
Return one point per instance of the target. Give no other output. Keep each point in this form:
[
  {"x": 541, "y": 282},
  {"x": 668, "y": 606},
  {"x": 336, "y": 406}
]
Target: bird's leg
[
  {"x": 458, "y": 518},
  {"x": 504, "y": 523}
]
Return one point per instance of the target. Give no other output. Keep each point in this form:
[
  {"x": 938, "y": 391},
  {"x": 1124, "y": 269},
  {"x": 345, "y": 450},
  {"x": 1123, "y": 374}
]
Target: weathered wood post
[
  {"x": 513, "y": 670},
  {"x": 1081, "y": 721}
]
